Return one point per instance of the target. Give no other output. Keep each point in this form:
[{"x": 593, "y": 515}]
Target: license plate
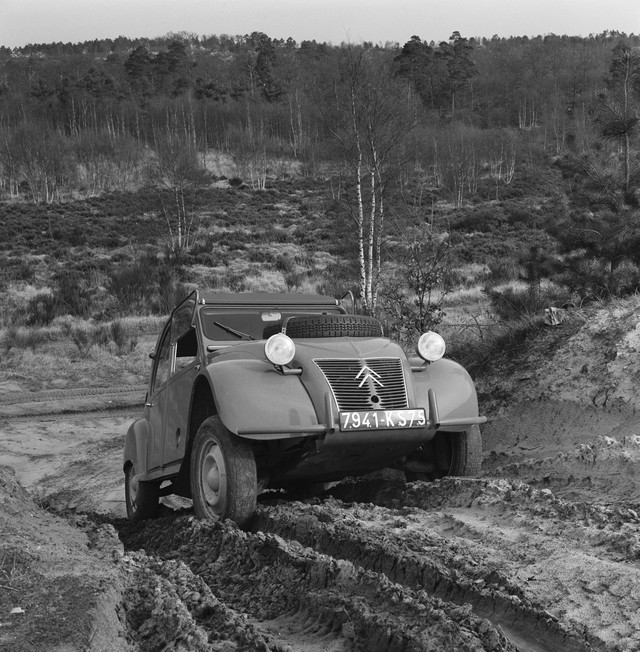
[{"x": 383, "y": 419}]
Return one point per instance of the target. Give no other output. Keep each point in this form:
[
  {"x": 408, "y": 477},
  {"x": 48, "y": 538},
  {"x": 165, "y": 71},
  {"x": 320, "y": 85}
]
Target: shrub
[
  {"x": 285, "y": 264},
  {"x": 522, "y": 215},
  {"x": 21, "y": 337},
  {"x": 293, "y": 280},
  {"x": 513, "y": 303},
  {"x": 484, "y": 220},
  {"x": 82, "y": 335},
  {"x": 259, "y": 255},
  {"x": 131, "y": 284},
  {"x": 495, "y": 341},
  {"x": 593, "y": 279},
  {"x": 41, "y": 309},
  {"x": 23, "y": 271},
  {"x": 116, "y": 333},
  {"x": 412, "y": 299},
  {"x": 77, "y": 236},
  {"x": 72, "y": 295},
  {"x": 170, "y": 291},
  {"x": 503, "y": 269},
  {"x": 236, "y": 281},
  {"x": 102, "y": 335},
  {"x": 466, "y": 276},
  {"x": 204, "y": 244}
]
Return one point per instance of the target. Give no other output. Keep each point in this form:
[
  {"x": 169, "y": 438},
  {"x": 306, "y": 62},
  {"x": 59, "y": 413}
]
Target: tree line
[
  {"x": 457, "y": 115},
  {"x": 83, "y": 117}
]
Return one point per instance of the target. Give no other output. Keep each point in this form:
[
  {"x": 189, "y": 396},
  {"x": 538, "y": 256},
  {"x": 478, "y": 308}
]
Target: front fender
[
  {"x": 454, "y": 392},
  {"x": 136, "y": 446},
  {"x": 253, "y": 399}
]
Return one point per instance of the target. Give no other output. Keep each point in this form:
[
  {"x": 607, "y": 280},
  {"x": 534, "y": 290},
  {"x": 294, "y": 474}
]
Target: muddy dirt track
[{"x": 540, "y": 553}]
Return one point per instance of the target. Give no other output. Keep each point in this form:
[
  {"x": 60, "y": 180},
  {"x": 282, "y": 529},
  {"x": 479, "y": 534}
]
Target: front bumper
[{"x": 331, "y": 434}]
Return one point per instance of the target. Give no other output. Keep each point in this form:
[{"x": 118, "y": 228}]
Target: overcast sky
[{"x": 335, "y": 21}]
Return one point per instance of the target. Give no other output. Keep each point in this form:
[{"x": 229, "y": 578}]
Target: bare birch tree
[
  {"x": 176, "y": 174},
  {"x": 370, "y": 121}
]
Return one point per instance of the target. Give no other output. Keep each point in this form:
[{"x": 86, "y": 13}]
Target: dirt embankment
[
  {"x": 464, "y": 564},
  {"x": 540, "y": 553}
]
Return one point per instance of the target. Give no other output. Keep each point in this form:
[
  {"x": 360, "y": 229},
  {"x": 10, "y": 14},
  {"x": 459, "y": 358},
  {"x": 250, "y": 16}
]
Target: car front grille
[{"x": 366, "y": 384}]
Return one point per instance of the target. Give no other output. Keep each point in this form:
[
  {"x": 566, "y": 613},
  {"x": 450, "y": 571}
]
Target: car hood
[
  {"x": 368, "y": 372},
  {"x": 307, "y": 350}
]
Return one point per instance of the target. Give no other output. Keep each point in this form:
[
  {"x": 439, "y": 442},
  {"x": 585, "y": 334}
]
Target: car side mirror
[{"x": 152, "y": 355}]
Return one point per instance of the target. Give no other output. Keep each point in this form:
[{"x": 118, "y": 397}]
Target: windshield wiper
[{"x": 233, "y": 331}]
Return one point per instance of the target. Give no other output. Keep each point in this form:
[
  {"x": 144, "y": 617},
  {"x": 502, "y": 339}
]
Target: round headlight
[
  {"x": 431, "y": 346},
  {"x": 279, "y": 349}
]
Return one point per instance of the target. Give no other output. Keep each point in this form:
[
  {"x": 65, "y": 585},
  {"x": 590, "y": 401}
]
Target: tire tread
[
  {"x": 308, "y": 326},
  {"x": 148, "y": 498},
  {"x": 240, "y": 467}
]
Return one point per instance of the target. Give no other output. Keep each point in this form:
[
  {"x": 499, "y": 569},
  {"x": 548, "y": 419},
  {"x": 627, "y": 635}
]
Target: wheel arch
[
  {"x": 454, "y": 389},
  {"x": 281, "y": 398},
  {"x": 135, "y": 446}
]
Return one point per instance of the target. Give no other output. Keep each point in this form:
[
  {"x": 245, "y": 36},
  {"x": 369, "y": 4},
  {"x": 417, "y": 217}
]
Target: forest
[{"x": 518, "y": 154}]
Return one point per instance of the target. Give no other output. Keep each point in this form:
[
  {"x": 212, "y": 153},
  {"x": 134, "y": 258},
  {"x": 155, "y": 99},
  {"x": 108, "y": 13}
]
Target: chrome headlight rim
[
  {"x": 279, "y": 349},
  {"x": 431, "y": 346}
]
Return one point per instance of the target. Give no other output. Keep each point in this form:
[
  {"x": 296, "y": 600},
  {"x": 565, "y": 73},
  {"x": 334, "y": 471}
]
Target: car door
[
  {"x": 183, "y": 371},
  {"x": 156, "y": 404}
]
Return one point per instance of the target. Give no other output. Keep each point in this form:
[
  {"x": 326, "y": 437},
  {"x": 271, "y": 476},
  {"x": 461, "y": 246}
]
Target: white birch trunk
[
  {"x": 360, "y": 215},
  {"x": 370, "y": 241}
]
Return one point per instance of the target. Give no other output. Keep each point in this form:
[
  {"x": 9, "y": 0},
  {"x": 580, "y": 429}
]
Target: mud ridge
[
  {"x": 267, "y": 577},
  {"x": 432, "y": 566},
  {"x": 191, "y": 616},
  {"x": 598, "y": 527}
]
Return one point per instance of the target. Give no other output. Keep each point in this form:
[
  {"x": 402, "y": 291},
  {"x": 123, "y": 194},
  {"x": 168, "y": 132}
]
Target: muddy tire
[
  {"x": 329, "y": 326},
  {"x": 141, "y": 498},
  {"x": 451, "y": 453},
  {"x": 223, "y": 475}
]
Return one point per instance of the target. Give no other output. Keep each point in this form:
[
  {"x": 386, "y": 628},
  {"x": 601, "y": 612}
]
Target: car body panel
[
  {"x": 156, "y": 416},
  {"x": 136, "y": 444},
  {"x": 155, "y": 404},
  {"x": 177, "y": 415},
  {"x": 454, "y": 392},
  {"x": 267, "y": 394}
]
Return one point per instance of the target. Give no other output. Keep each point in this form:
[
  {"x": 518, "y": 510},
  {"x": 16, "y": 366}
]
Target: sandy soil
[{"x": 539, "y": 553}]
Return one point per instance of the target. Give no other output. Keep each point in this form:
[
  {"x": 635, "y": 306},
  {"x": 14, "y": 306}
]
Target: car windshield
[
  {"x": 236, "y": 325},
  {"x": 233, "y": 331}
]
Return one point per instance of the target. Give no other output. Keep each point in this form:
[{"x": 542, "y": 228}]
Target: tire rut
[
  {"x": 465, "y": 564},
  {"x": 14, "y": 398},
  {"x": 70, "y": 401},
  {"x": 297, "y": 598},
  {"x": 430, "y": 567},
  {"x": 427, "y": 563}
]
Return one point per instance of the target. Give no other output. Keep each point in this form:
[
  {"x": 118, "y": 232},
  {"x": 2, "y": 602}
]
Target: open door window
[{"x": 183, "y": 333}]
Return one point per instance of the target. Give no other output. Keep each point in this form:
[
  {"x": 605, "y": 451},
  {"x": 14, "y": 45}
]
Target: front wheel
[
  {"x": 448, "y": 453},
  {"x": 141, "y": 498},
  {"x": 223, "y": 474}
]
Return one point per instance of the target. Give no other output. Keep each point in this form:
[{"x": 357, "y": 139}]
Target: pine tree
[{"x": 618, "y": 108}]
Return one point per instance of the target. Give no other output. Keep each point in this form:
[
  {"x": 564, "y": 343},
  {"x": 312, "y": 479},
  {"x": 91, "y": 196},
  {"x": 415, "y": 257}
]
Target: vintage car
[{"x": 251, "y": 391}]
